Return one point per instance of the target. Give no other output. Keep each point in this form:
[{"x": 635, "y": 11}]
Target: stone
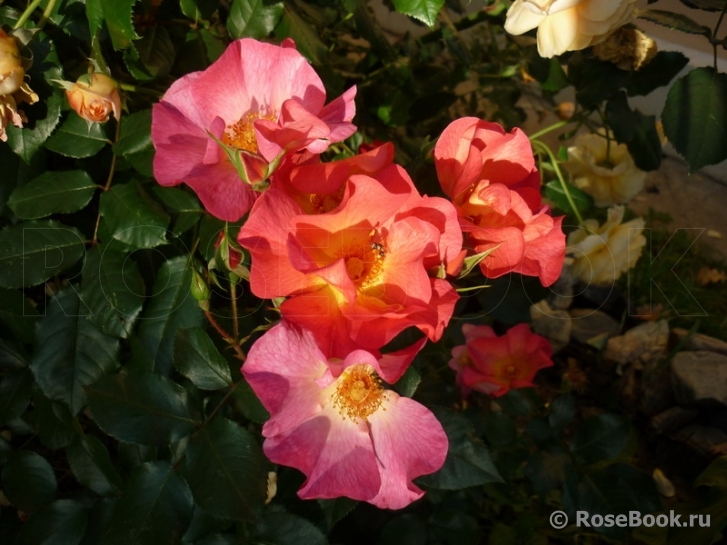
[
  {"x": 591, "y": 326},
  {"x": 698, "y": 341},
  {"x": 656, "y": 393},
  {"x": 561, "y": 292},
  {"x": 699, "y": 377},
  {"x": 672, "y": 419},
  {"x": 554, "y": 325},
  {"x": 644, "y": 342}
]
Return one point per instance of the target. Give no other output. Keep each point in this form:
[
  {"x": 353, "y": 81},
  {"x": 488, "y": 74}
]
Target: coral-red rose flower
[
  {"x": 490, "y": 176},
  {"x": 238, "y": 118},
  {"x": 361, "y": 273},
  {"x": 494, "y": 365},
  {"x": 335, "y": 422}
]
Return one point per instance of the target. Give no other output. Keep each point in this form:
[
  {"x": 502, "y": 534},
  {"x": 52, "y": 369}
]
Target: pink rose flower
[
  {"x": 494, "y": 365},
  {"x": 238, "y": 118},
  {"x": 490, "y": 176},
  {"x": 335, "y": 421}
]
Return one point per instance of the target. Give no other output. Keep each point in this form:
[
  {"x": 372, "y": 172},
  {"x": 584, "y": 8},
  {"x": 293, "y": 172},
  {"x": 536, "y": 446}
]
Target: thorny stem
[
  {"x": 554, "y": 161},
  {"x": 109, "y": 180},
  {"x": 27, "y": 13},
  {"x": 235, "y": 324},
  {"x": 226, "y": 336}
]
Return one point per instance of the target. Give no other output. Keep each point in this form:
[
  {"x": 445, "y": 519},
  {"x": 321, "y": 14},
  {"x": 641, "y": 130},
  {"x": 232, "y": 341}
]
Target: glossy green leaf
[
  {"x": 143, "y": 408},
  {"x": 245, "y": 401},
  {"x": 594, "y": 80},
  {"x": 134, "y": 143},
  {"x": 52, "y": 192},
  {"x": 17, "y": 314},
  {"x": 601, "y": 438},
  {"x": 171, "y": 307},
  {"x": 28, "y": 481},
  {"x": 714, "y": 475},
  {"x": 15, "y": 390},
  {"x": 305, "y": 37},
  {"x": 113, "y": 290},
  {"x": 453, "y": 526},
  {"x": 408, "y": 383},
  {"x": 33, "y": 251},
  {"x": 184, "y": 207},
  {"x": 197, "y": 358},
  {"x": 288, "y": 529},
  {"x": 27, "y": 141},
  {"x": 335, "y": 509},
  {"x": 404, "y": 529},
  {"x": 62, "y": 522},
  {"x": 674, "y": 21},
  {"x": 546, "y": 468},
  {"x": 636, "y": 130},
  {"x": 226, "y": 470},
  {"x": 51, "y": 421},
  {"x": 71, "y": 353},
  {"x": 155, "y": 507},
  {"x": 133, "y": 217},
  {"x": 658, "y": 73},
  {"x": 253, "y": 18},
  {"x": 12, "y": 355},
  {"x": 562, "y": 411},
  {"x": 695, "y": 117},
  {"x": 554, "y": 192},
  {"x": 152, "y": 56},
  {"x": 198, "y": 9},
  {"x": 117, "y": 15},
  {"x": 91, "y": 464},
  {"x": 425, "y": 11},
  {"x": 468, "y": 462},
  {"x": 78, "y": 138}
]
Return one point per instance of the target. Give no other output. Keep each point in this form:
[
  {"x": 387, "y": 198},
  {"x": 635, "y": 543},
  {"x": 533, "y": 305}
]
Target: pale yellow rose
[
  {"x": 568, "y": 25},
  {"x": 11, "y": 65},
  {"x": 603, "y": 253},
  {"x": 606, "y": 172},
  {"x": 9, "y": 114},
  {"x": 94, "y": 97}
]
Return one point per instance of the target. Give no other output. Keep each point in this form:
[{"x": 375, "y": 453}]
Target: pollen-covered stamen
[
  {"x": 241, "y": 135},
  {"x": 325, "y": 202},
  {"x": 364, "y": 262},
  {"x": 359, "y": 392}
]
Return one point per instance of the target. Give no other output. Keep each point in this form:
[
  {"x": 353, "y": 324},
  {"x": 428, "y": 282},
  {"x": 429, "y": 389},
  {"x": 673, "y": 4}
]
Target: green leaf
[
  {"x": 288, "y": 529},
  {"x": 171, "y": 308},
  {"x": 62, "y": 522},
  {"x": 408, "y": 383},
  {"x": 695, "y": 117},
  {"x": 404, "y": 529},
  {"x": 601, "y": 438},
  {"x": 155, "y": 507},
  {"x": 305, "y": 37},
  {"x": 636, "y": 130},
  {"x": 51, "y": 421},
  {"x": 714, "y": 475},
  {"x": 335, "y": 509},
  {"x": 152, "y": 56},
  {"x": 28, "y": 481},
  {"x": 52, "y": 192},
  {"x": 12, "y": 355},
  {"x": 27, "y": 141},
  {"x": 425, "y": 11},
  {"x": 134, "y": 143},
  {"x": 554, "y": 192},
  {"x": 117, "y": 15},
  {"x": 675, "y": 21},
  {"x": 198, "y": 9},
  {"x": 91, "y": 464},
  {"x": 15, "y": 389},
  {"x": 197, "y": 358},
  {"x": 468, "y": 462},
  {"x": 113, "y": 290},
  {"x": 142, "y": 408},
  {"x": 595, "y": 80},
  {"x": 78, "y": 138},
  {"x": 454, "y": 527},
  {"x": 547, "y": 469},
  {"x": 18, "y": 315},
  {"x": 32, "y": 252},
  {"x": 226, "y": 470},
  {"x": 562, "y": 411},
  {"x": 133, "y": 217},
  {"x": 245, "y": 401},
  {"x": 658, "y": 73},
  {"x": 183, "y": 205},
  {"x": 253, "y": 18},
  {"x": 71, "y": 353}
]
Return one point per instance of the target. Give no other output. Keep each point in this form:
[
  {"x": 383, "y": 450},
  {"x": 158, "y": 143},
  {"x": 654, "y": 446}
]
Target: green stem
[
  {"x": 714, "y": 35},
  {"x": 27, "y": 13},
  {"x": 554, "y": 161},
  {"x": 235, "y": 323},
  {"x": 47, "y": 13},
  {"x": 546, "y": 130},
  {"x": 109, "y": 180}
]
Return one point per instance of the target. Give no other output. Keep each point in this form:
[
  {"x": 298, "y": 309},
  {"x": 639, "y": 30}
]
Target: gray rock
[
  {"x": 699, "y": 377},
  {"x": 672, "y": 419},
  {"x": 644, "y": 342},
  {"x": 561, "y": 293},
  {"x": 592, "y": 326},
  {"x": 657, "y": 393},
  {"x": 698, "y": 341},
  {"x": 554, "y": 325}
]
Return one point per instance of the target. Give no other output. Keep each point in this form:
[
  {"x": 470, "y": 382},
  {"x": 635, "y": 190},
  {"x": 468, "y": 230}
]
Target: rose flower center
[
  {"x": 364, "y": 263},
  {"x": 241, "y": 135},
  {"x": 359, "y": 392}
]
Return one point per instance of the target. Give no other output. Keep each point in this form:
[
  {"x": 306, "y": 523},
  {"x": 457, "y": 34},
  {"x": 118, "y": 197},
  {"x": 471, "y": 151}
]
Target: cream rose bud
[
  {"x": 11, "y": 65},
  {"x": 568, "y": 25},
  {"x": 602, "y": 254},
  {"x": 94, "y": 97},
  {"x": 605, "y": 171}
]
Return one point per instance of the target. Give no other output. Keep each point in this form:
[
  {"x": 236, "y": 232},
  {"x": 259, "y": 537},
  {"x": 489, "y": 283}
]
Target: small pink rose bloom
[
  {"x": 335, "y": 421},
  {"x": 237, "y": 119},
  {"x": 494, "y": 365},
  {"x": 490, "y": 176}
]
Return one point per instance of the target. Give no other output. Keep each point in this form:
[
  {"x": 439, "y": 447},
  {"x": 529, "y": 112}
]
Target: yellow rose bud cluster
[
  {"x": 13, "y": 88},
  {"x": 94, "y": 97}
]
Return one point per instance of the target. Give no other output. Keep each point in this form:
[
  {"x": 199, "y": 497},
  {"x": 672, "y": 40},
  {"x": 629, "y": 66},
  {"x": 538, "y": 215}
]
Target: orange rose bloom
[{"x": 94, "y": 97}]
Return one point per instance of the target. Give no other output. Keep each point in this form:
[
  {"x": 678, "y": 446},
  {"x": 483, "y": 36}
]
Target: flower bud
[
  {"x": 11, "y": 65},
  {"x": 8, "y": 114},
  {"x": 94, "y": 97},
  {"x": 199, "y": 289}
]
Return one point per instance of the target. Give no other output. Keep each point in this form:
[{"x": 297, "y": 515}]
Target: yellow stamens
[
  {"x": 364, "y": 262},
  {"x": 359, "y": 392},
  {"x": 241, "y": 135}
]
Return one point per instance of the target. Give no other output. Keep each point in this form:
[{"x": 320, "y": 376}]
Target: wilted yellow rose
[
  {"x": 8, "y": 114},
  {"x": 602, "y": 254},
  {"x": 568, "y": 25},
  {"x": 11, "y": 65},
  {"x": 606, "y": 172},
  {"x": 94, "y": 97}
]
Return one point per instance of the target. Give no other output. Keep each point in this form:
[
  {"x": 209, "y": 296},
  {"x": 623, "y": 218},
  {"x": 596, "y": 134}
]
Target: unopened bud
[
  {"x": 565, "y": 110},
  {"x": 94, "y": 97},
  {"x": 200, "y": 290},
  {"x": 11, "y": 65}
]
